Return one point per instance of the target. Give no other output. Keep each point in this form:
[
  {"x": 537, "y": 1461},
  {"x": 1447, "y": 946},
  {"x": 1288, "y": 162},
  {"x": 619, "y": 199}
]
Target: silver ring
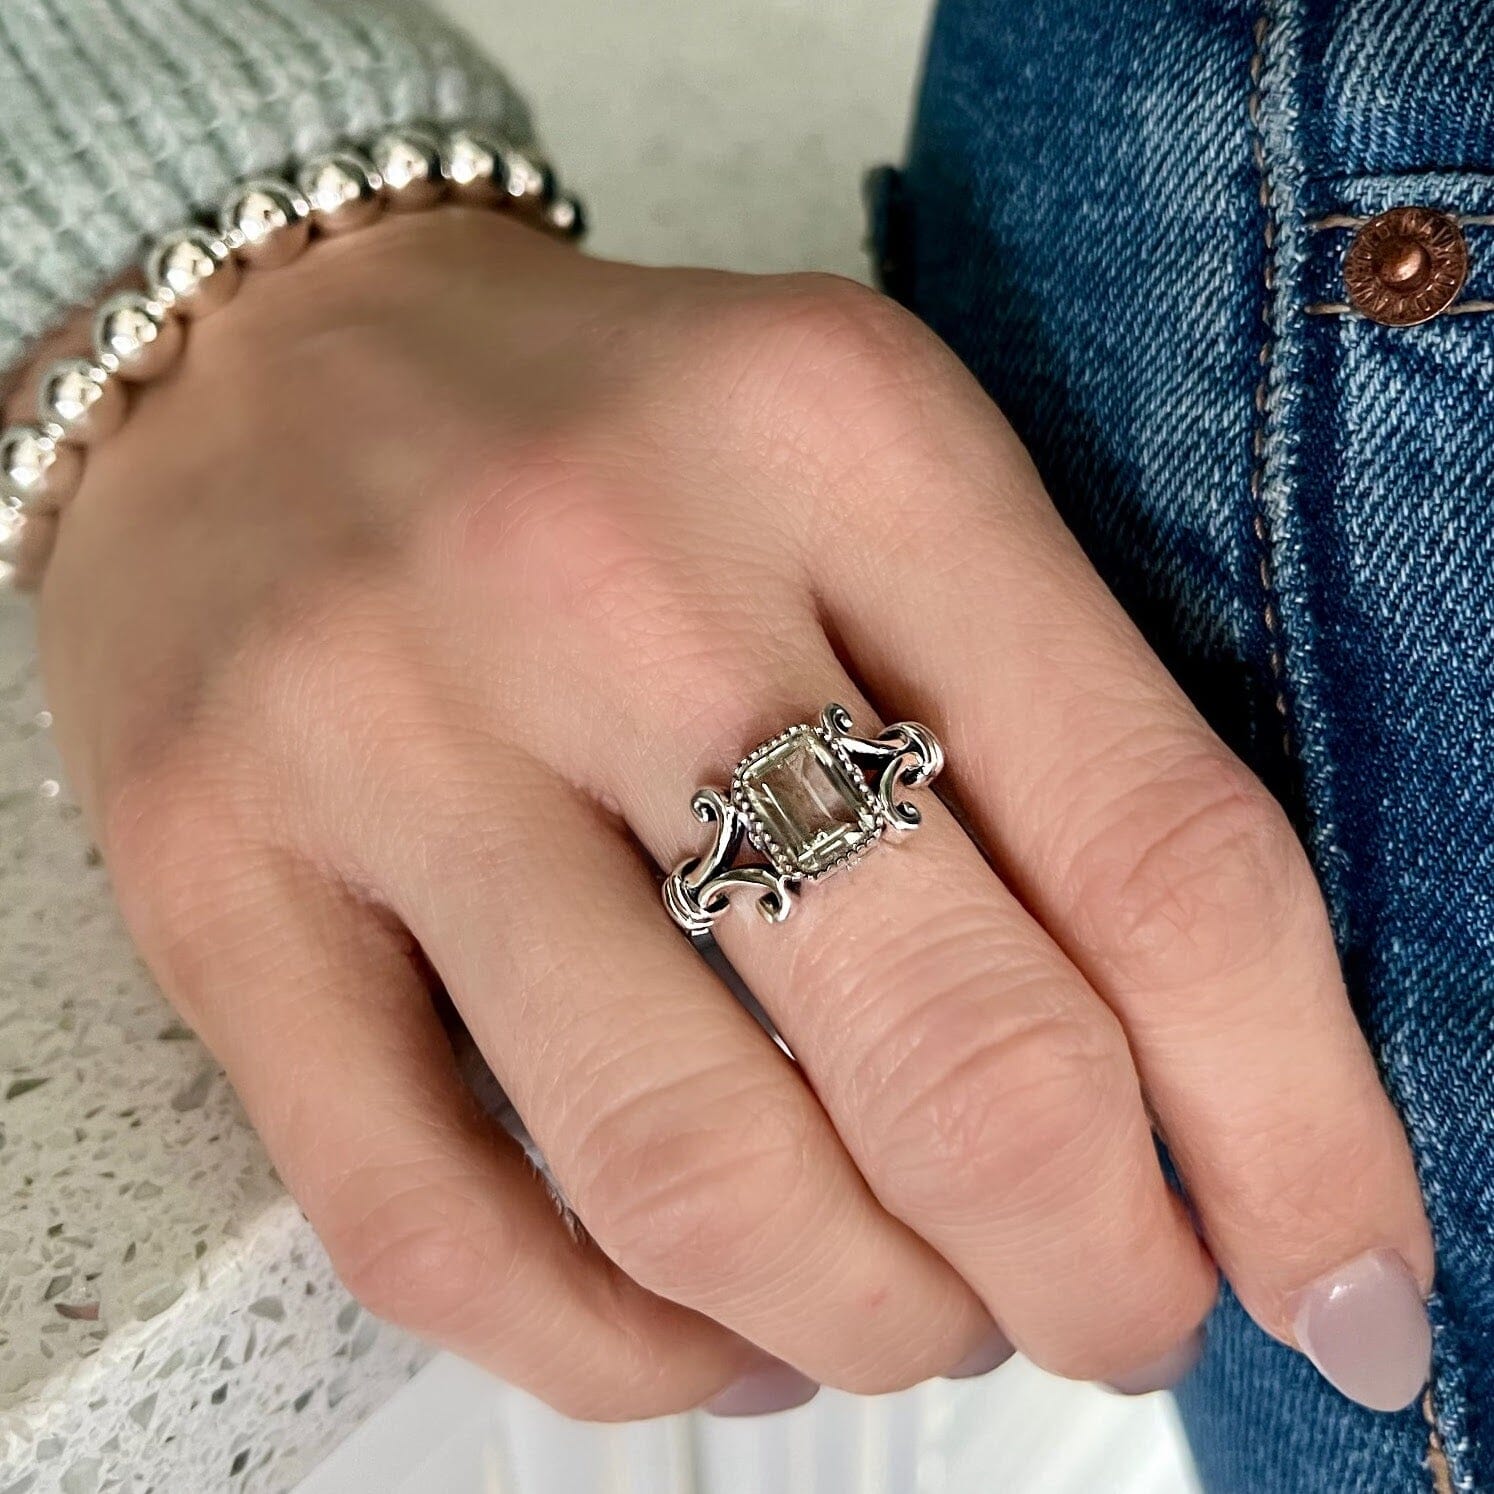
[{"x": 811, "y": 801}]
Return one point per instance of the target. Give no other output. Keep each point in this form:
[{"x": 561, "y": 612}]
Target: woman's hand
[{"x": 400, "y": 626}]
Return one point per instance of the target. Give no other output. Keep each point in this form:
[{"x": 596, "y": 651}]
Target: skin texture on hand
[{"x": 392, "y": 636}]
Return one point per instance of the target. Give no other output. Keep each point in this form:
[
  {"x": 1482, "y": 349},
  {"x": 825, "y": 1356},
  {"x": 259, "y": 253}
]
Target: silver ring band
[{"x": 811, "y": 801}]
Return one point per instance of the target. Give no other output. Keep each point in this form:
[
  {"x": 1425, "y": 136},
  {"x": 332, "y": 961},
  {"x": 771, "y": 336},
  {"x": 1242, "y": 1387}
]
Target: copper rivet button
[{"x": 1406, "y": 266}]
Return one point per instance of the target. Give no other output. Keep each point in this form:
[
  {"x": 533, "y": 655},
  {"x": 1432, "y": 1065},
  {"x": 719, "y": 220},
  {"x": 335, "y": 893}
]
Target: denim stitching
[
  {"x": 1351, "y": 220},
  {"x": 1436, "y": 1461},
  {"x": 1342, "y": 308},
  {"x": 1270, "y": 610}
]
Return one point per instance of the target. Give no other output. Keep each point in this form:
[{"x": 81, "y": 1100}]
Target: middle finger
[{"x": 689, "y": 1147}]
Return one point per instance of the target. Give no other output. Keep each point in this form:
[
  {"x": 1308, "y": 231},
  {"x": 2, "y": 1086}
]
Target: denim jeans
[{"x": 1127, "y": 216}]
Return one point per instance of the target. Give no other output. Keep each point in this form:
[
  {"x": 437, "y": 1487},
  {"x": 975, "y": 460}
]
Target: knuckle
[
  {"x": 331, "y": 635},
  {"x": 838, "y": 311},
  {"x": 336, "y": 684},
  {"x": 1102, "y": 1359},
  {"x": 163, "y": 810},
  {"x": 811, "y": 301},
  {"x": 542, "y": 515},
  {"x": 1195, "y": 873},
  {"x": 619, "y": 1400},
  {"x": 564, "y": 535},
  {"x": 812, "y": 343},
  {"x": 839, "y": 380},
  {"x": 182, "y": 839},
  {"x": 422, "y": 1277},
  {"x": 194, "y": 795},
  {"x": 1134, "y": 1318},
  {"x": 980, "y": 1110},
  {"x": 689, "y": 1208},
  {"x": 1078, "y": 1361},
  {"x": 1125, "y": 1314}
]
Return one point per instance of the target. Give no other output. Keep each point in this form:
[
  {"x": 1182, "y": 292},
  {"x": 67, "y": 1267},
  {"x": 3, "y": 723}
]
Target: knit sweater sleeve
[{"x": 121, "y": 118}]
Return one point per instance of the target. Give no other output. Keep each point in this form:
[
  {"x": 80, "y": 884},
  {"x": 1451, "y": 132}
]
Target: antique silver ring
[{"x": 809, "y": 801}]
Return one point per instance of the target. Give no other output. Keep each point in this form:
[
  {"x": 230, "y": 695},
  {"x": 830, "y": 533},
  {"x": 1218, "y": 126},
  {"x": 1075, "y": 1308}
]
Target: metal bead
[
  {"x": 528, "y": 180},
  {"x": 342, "y": 188},
  {"x": 266, "y": 222},
  {"x": 136, "y": 337},
  {"x": 193, "y": 272},
  {"x": 473, "y": 164},
  {"x": 408, "y": 162},
  {"x": 566, "y": 216},
  {"x": 37, "y": 472},
  {"x": 82, "y": 401}
]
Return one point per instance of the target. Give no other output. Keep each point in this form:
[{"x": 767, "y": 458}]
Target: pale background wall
[{"x": 731, "y": 133}]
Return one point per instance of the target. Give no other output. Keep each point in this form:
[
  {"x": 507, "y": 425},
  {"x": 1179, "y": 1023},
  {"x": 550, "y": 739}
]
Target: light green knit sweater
[{"x": 121, "y": 118}]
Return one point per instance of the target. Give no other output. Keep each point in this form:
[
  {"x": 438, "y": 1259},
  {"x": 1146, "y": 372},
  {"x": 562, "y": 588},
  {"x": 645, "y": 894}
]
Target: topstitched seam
[{"x": 1270, "y": 610}]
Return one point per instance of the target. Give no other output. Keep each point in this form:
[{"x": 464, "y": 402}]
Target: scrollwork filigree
[
  {"x": 905, "y": 756},
  {"x": 700, "y": 889}
]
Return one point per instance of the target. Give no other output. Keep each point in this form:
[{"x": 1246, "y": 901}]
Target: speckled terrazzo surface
[{"x": 167, "y": 1320}]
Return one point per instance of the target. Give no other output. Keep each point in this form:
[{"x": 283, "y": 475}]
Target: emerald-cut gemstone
[{"x": 813, "y": 811}]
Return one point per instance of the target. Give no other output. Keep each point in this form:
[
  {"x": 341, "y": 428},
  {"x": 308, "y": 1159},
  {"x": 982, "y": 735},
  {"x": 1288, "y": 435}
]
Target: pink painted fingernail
[
  {"x": 766, "y": 1388},
  {"x": 1365, "y": 1328},
  {"x": 1162, "y": 1374},
  {"x": 990, "y": 1353}
]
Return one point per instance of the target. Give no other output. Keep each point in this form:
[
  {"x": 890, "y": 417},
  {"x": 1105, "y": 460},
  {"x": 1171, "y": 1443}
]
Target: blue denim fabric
[{"x": 1111, "y": 209}]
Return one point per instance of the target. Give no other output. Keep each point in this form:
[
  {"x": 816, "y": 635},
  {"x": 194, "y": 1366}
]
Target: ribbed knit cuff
[{"x": 119, "y": 120}]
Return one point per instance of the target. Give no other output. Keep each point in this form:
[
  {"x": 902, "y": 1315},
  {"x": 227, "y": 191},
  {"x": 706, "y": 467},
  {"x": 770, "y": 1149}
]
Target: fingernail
[
  {"x": 764, "y": 1389},
  {"x": 990, "y": 1353},
  {"x": 1365, "y": 1328},
  {"x": 1162, "y": 1374}
]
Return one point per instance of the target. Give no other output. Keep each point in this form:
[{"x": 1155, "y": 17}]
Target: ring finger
[{"x": 983, "y": 1089}]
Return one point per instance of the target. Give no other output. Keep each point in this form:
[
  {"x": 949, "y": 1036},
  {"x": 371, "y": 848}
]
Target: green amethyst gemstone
[{"x": 810, "y": 812}]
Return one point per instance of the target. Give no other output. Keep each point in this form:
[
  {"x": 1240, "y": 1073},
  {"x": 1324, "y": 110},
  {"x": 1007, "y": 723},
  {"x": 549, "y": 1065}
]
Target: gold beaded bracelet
[{"x": 264, "y": 223}]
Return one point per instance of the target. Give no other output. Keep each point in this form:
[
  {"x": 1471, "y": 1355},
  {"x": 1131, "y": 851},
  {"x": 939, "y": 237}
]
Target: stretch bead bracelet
[{"x": 264, "y": 223}]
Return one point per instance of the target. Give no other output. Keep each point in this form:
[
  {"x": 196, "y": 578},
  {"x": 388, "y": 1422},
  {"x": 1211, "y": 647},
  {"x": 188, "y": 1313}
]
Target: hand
[{"x": 394, "y": 634}]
